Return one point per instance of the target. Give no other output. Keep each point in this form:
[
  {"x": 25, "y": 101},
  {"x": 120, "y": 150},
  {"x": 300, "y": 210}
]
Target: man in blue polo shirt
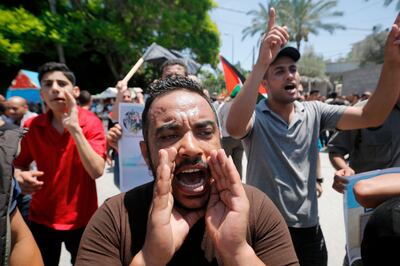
[{"x": 280, "y": 134}]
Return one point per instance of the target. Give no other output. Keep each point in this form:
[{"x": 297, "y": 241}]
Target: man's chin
[{"x": 191, "y": 203}]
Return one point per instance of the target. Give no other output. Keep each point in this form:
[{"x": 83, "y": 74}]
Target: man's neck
[
  {"x": 284, "y": 110},
  {"x": 56, "y": 122}
]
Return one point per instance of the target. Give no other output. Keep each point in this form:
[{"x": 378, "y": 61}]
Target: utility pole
[{"x": 254, "y": 56}]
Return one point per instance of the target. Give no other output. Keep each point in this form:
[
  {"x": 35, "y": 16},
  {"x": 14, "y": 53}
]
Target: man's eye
[
  {"x": 206, "y": 133},
  {"x": 62, "y": 84},
  {"x": 168, "y": 137}
]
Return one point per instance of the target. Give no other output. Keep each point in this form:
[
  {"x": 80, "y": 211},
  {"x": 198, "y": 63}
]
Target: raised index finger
[{"x": 271, "y": 19}]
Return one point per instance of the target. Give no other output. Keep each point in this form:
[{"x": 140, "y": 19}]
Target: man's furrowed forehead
[
  {"x": 178, "y": 125},
  {"x": 180, "y": 106}
]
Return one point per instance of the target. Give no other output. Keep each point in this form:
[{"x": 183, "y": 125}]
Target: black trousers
[
  {"x": 49, "y": 241},
  {"x": 309, "y": 244}
]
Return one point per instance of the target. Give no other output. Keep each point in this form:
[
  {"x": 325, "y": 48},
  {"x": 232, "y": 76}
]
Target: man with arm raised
[{"x": 280, "y": 134}]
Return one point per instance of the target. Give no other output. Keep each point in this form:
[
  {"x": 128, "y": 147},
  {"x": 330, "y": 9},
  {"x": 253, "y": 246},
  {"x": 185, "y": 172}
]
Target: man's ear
[
  {"x": 145, "y": 152},
  {"x": 76, "y": 91}
]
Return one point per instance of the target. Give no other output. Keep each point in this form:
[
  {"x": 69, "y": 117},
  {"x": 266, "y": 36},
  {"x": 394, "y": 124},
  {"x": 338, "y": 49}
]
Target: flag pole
[
  {"x": 133, "y": 70},
  {"x": 138, "y": 64}
]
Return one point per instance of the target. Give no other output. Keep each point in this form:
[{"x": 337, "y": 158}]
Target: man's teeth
[
  {"x": 188, "y": 171},
  {"x": 198, "y": 182}
]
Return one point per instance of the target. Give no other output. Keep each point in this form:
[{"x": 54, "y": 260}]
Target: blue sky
[{"x": 359, "y": 17}]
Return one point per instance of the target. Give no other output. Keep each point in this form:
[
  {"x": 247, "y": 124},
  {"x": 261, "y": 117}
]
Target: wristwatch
[{"x": 320, "y": 180}]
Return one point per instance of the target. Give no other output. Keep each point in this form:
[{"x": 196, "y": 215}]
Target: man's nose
[
  {"x": 290, "y": 75},
  {"x": 189, "y": 146},
  {"x": 55, "y": 87}
]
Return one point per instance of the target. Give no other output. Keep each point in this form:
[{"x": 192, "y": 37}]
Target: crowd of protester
[{"x": 197, "y": 211}]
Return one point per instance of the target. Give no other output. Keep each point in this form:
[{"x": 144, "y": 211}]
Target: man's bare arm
[
  {"x": 239, "y": 119},
  {"x": 24, "y": 250},
  {"x": 381, "y": 103},
  {"x": 343, "y": 169},
  {"x": 373, "y": 191},
  {"x": 337, "y": 161},
  {"x": 121, "y": 88},
  {"x": 91, "y": 161}
]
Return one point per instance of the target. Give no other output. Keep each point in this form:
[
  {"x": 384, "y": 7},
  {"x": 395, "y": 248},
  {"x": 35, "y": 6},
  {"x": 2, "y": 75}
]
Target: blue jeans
[{"x": 309, "y": 244}]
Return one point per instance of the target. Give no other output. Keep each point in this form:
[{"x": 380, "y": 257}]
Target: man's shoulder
[
  {"x": 86, "y": 114},
  {"x": 141, "y": 194},
  {"x": 312, "y": 104},
  {"x": 114, "y": 201},
  {"x": 88, "y": 119},
  {"x": 133, "y": 194},
  {"x": 36, "y": 120},
  {"x": 256, "y": 197},
  {"x": 8, "y": 126}
]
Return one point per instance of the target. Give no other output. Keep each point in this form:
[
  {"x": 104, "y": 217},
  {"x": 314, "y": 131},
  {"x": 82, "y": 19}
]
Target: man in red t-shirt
[{"x": 68, "y": 145}]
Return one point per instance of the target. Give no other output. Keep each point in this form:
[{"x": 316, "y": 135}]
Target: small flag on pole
[{"x": 233, "y": 77}]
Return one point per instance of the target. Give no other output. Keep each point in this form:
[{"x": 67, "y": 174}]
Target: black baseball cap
[{"x": 289, "y": 51}]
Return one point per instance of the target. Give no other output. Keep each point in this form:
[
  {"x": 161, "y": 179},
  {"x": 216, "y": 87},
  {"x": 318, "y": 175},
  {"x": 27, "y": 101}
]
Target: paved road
[{"x": 330, "y": 210}]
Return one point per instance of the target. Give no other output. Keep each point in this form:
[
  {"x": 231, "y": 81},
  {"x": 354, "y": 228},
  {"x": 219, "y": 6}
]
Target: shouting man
[{"x": 197, "y": 211}]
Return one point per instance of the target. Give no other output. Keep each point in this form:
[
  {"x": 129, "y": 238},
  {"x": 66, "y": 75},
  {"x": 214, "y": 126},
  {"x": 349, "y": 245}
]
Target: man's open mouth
[
  {"x": 290, "y": 87},
  {"x": 192, "y": 180}
]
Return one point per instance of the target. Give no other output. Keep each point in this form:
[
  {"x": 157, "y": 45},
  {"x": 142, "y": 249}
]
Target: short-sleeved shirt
[
  {"x": 282, "y": 158},
  {"x": 68, "y": 197},
  {"x": 115, "y": 234},
  {"x": 370, "y": 148}
]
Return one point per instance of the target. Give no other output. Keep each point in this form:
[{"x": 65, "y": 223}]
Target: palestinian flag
[{"x": 233, "y": 77}]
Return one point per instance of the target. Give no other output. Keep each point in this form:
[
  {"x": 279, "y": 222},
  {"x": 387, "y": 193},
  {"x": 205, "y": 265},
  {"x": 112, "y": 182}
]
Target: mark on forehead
[{"x": 192, "y": 112}]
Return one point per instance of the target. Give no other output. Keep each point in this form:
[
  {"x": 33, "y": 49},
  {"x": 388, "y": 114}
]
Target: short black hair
[
  {"x": 55, "y": 66},
  {"x": 314, "y": 91},
  {"x": 84, "y": 97},
  {"x": 172, "y": 62},
  {"x": 164, "y": 86}
]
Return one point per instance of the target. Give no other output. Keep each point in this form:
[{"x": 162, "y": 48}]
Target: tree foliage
[
  {"x": 104, "y": 36},
  {"x": 311, "y": 64},
  {"x": 19, "y": 30},
  {"x": 213, "y": 81},
  {"x": 302, "y": 17}
]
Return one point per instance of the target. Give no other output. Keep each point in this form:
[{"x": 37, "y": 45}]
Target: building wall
[{"x": 360, "y": 80}]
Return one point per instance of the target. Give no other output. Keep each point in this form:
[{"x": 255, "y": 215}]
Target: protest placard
[{"x": 133, "y": 168}]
